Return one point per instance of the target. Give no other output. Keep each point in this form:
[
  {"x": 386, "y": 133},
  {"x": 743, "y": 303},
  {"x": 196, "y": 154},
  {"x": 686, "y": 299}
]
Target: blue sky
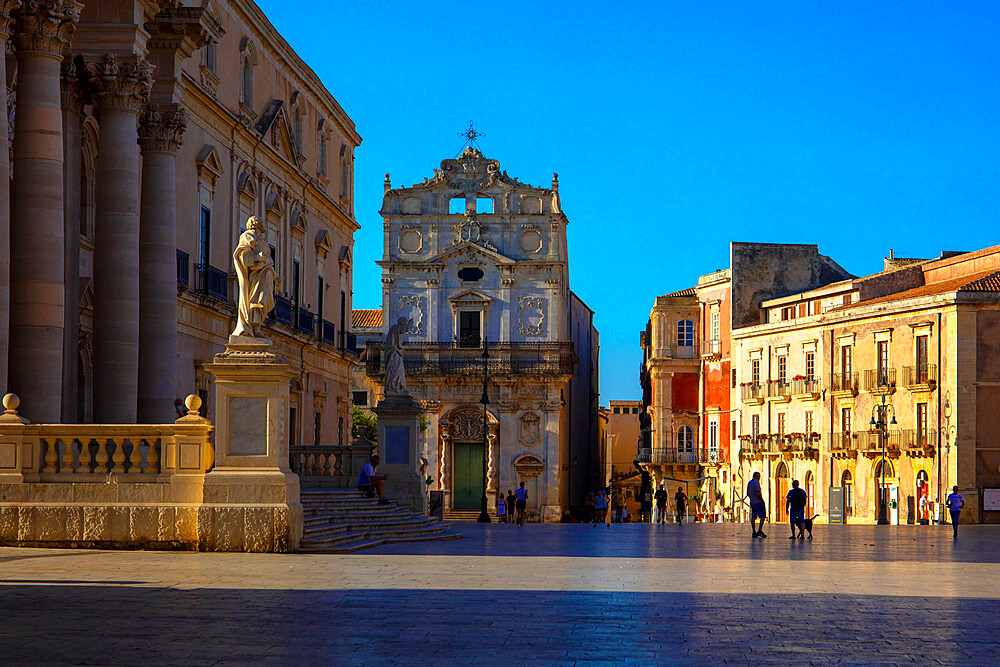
[{"x": 679, "y": 127}]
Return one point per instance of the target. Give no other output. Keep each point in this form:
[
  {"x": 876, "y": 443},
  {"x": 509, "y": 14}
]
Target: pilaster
[
  {"x": 7, "y": 7},
  {"x": 72, "y": 109}
]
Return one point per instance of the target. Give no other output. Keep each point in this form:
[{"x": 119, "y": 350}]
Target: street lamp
[
  {"x": 879, "y": 413},
  {"x": 484, "y": 515}
]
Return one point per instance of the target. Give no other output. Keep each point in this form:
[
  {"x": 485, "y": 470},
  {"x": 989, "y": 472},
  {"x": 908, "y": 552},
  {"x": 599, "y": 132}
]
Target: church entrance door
[{"x": 467, "y": 475}]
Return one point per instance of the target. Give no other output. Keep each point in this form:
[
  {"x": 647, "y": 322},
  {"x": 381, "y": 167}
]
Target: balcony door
[
  {"x": 469, "y": 328},
  {"x": 467, "y": 475},
  {"x": 685, "y": 444}
]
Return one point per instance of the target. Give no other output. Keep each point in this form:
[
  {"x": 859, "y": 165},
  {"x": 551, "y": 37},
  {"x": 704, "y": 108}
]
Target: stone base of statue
[
  {"x": 398, "y": 432},
  {"x": 251, "y": 498}
]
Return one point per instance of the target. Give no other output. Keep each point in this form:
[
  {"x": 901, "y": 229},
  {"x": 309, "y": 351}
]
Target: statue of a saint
[
  {"x": 255, "y": 271},
  {"x": 395, "y": 373}
]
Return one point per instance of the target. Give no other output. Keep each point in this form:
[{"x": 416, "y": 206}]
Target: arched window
[
  {"x": 298, "y": 129},
  {"x": 322, "y": 155},
  {"x": 847, "y": 482},
  {"x": 685, "y": 333},
  {"x": 685, "y": 439},
  {"x": 248, "y": 82}
]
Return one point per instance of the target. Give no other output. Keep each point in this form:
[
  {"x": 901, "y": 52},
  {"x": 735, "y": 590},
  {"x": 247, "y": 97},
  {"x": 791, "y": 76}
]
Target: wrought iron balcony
[
  {"x": 806, "y": 386},
  {"x": 674, "y": 455},
  {"x": 282, "y": 312},
  {"x": 329, "y": 333},
  {"x": 844, "y": 382},
  {"x": 751, "y": 393},
  {"x": 778, "y": 389},
  {"x": 183, "y": 268},
  {"x": 348, "y": 342},
  {"x": 880, "y": 379},
  {"x": 920, "y": 376},
  {"x": 306, "y": 322},
  {"x": 711, "y": 348},
  {"x": 211, "y": 281},
  {"x": 450, "y": 359},
  {"x": 918, "y": 439}
]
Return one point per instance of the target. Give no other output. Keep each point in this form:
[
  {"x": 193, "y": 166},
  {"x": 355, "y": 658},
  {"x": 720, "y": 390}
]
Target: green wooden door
[{"x": 467, "y": 475}]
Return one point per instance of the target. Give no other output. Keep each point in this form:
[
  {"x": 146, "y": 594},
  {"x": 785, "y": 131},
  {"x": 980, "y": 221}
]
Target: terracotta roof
[
  {"x": 690, "y": 291},
  {"x": 986, "y": 281},
  {"x": 368, "y": 317}
]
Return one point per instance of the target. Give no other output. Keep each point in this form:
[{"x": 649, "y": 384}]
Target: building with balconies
[{"x": 475, "y": 259}]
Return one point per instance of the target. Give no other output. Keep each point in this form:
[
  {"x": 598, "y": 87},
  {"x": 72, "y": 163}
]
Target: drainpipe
[
  {"x": 939, "y": 385},
  {"x": 832, "y": 355},
  {"x": 770, "y": 481}
]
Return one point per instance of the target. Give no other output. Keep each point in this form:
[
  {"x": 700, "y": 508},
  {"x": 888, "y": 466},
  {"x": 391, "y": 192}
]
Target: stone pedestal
[
  {"x": 398, "y": 430},
  {"x": 251, "y": 497}
]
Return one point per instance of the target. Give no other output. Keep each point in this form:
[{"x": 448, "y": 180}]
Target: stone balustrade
[{"x": 330, "y": 465}]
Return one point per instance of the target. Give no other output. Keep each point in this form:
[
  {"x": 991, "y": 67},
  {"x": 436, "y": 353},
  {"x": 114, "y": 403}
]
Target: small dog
[{"x": 809, "y": 525}]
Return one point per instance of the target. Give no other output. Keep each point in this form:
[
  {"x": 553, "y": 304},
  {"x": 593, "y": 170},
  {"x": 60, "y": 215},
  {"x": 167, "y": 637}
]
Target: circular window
[{"x": 470, "y": 274}]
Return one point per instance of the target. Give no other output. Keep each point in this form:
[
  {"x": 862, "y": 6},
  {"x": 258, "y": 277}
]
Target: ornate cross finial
[{"x": 470, "y": 134}]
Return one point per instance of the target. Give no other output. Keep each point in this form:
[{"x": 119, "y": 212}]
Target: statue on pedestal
[
  {"x": 395, "y": 373},
  {"x": 255, "y": 272}
]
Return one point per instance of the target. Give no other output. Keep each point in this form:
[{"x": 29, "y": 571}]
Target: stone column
[
  {"x": 6, "y": 9},
  {"x": 42, "y": 31},
  {"x": 122, "y": 85},
  {"x": 160, "y": 132},
  {"x": 72, "y": 107}
]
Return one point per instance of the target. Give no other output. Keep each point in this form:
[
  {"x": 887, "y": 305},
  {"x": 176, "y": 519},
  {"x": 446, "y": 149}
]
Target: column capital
[
  {"x": 182, "y": 29},
  {"x": 7, "y": 9},
  {"x": 121, "y": 82},
  {"x": 162, "y": 128},
  {"x": 45, "y": 25},
  {"x": 71, "y": 86}
]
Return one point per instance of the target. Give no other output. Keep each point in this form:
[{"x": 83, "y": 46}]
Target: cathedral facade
[{"x": 474, "y": 259}]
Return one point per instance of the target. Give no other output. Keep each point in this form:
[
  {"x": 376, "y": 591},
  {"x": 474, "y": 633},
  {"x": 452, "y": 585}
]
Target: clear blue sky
[{"x": 677, "y": 128}]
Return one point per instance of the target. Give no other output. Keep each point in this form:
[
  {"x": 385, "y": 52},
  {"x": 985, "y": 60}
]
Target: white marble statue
[
  {"x": 255, "y": 271},
  {"x": 395, "y": 373}
]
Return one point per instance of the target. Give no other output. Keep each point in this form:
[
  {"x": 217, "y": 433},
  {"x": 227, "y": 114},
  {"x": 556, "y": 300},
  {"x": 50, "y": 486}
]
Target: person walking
[
  {"x": 758, "y": 509},
  {"x": 600, "y": 507},
  {"x": 501, "y": 507},
  {"x": 795, "y": 506},
  {"x": 511, "y": 503},
  {"x": 680, "y": 500},
  {"x": 661, "y": 504},
  {"x": 521, "y": 494},
  {"x": 955, "y": 504}
]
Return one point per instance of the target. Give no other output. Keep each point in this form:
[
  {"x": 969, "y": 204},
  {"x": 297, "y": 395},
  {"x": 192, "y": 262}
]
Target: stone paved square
[{"x": 546, "y": 594}]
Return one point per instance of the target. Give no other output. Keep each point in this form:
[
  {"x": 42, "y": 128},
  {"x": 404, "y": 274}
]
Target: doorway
[
  {"x": 781, "y": 477},
  {"x": 467, "y": 475}
]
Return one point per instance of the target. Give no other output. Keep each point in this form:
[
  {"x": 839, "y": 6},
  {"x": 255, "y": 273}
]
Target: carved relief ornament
[
  {"x": 529, "y": 427},
  {"x": 7, "y": 8},
  {"x": 121, "y": 82},
  {"x": 70, "y": 87},
  {"x": 531, "y": 318},
  {"x": 45, "y": 25},
  {"x": 162, "y": 130},
  {"x": 412, "y": 308}
]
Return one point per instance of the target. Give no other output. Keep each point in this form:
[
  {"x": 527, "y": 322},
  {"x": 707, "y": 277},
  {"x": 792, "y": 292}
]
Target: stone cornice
[
  {"x": 46, "y": 25},
  {"x": 7, "y": 9},
  {"x": 183, "y": 29},
  {"x": 121, "y": 82},
  {"x": 161, "y": 129}
]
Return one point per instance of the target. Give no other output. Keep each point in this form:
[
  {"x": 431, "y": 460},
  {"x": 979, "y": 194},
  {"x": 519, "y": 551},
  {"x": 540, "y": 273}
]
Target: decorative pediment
[
  {"x": 273, "y": 203},
  {"x": 209, "y": 165},
  {"x": 469, "y": 298},
  {"x": 297, "y": 220},
  {"x": 245, "y": 186},
  {"x": 469, "y": 253},
  {"x": 345, "y": 257},
  {"x": 275, "y": 121},
  {"x": 323, "y": 245},
  {"x": 529, "y": 465}
]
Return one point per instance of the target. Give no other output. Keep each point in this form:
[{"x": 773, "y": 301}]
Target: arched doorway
[
  {"x": 810, "y": 494},
  {"x": 889, "y": 493},
  {"x": 847, "y": 481},
  {"x": 463, "y": 455},
  {"x": 781, "y": 491},
  {"x": 923, "y": 497}
]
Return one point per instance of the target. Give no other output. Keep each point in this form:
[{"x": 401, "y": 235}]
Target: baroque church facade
[{"x": 473, "y": 255}]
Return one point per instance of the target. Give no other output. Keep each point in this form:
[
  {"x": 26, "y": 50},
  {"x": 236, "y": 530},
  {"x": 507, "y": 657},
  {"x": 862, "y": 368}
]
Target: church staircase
[{"x": 344, "y": 520}]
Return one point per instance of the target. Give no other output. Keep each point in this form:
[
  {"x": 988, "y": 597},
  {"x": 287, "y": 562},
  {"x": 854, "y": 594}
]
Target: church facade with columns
[
  {"x": 144, "y": 135},
  {"x": 474, "y": 256}
]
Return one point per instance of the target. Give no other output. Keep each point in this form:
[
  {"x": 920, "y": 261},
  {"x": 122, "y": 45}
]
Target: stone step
[
  {"x": 325, "y": 516},
  {"x": 315, "y": 532},
  {"x": 312, "y": 491},
  {"x": 350, "y": 547},
  {"x": 368, "y": 534}
]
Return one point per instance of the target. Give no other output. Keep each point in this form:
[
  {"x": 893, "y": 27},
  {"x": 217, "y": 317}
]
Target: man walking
[
  {"x": 758, "y": 510},
  {"x": 661, "y": 504},
  {"x": 521, "y": 495},
  {"x": 795, "y": 505},
  {"x": 680, "y": 502},
  {"x": 955, "y": 504}
]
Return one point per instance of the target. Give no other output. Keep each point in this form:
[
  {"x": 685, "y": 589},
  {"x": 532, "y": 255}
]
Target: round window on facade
[{"x": 470, "y": 274}]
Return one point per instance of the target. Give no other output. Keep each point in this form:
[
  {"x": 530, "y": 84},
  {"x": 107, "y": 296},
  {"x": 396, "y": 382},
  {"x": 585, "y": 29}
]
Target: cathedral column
[
  {"x": 160, "y": 132},
  {"x": 43, "y": 29},
  {"x": 122, "y": 85},
  {"x": 6, "y": 9},
  {"x": 72, "y": 110}
]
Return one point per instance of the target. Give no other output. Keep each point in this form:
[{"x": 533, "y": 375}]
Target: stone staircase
[{"x": 344, "y": 520}]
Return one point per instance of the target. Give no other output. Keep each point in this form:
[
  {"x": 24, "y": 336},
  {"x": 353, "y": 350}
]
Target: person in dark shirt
[
  {"x": 661, "y": 504},
  {"x": 795, "y": 505},
  {"x": 680, "y": 500},
  {"x": 511, "y": 504}
]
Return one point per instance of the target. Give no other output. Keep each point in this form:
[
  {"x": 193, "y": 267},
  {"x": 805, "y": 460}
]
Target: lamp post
[
  {"x": 484, "y": 515},
  {"x": 879, "y": 414}
]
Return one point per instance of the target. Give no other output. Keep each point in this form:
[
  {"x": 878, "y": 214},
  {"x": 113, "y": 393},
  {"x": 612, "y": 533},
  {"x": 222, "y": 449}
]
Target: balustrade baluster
[
  {"x": 338, "y": 463},
  {"x": 85, "y": 455},
  {"x": 67, "y": 456},
  {"x": 118, "y": 458},
  {"x": 135, "y": 457},
  {"x": 152, "y": 458},
  {"x": 50, "y": 456},
  {"x": 327, "y": 464},
  {"x": 102, "y": 456}
]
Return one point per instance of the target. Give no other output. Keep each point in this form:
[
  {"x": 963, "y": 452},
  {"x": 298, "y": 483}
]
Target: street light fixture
[
  {"x": 879, "y": 413},
  {"x": 484, "y": 515}
]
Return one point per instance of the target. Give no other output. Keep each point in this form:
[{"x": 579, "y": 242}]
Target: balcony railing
[
  {"x": 915, "y": 376},
  {"x": 878, "y": 378},
  {"x": 306, "y": 322},
  {"x": 844, "y": 441},
  {"x": 711, "y": 348},
  {"x": 673, "y": 455},
  {"x": 918, "y": 439},
  {"x": 329, "y": 333},
  {"x": 751, "y": 392},
  {"x": 448, "y": 358},
  {"x": 211, "y": 281},
  {"x": 777, "y": 389},
  {"x": 844, "y": 381},
  {"x": 869, "y": 440},
  {"x": 804, "y": 386},
  {"x": 282, "y": 312},
  {"x": 348, "y": 342},
  {"x": 183, "y": 268}
]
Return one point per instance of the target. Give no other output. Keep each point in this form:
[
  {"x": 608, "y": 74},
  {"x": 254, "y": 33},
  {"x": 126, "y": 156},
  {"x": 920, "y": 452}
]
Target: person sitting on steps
[{"x": 369, "y": 483}]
